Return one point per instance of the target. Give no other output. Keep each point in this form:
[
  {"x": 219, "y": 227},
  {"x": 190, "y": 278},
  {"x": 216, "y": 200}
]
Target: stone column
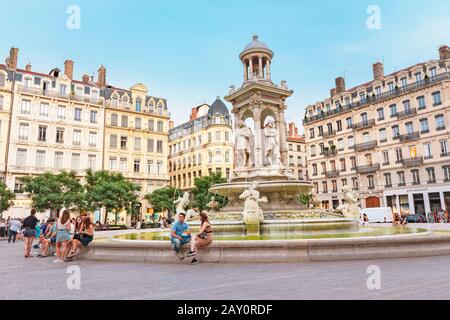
[
  {"x": 268, "y": 69},
  {"x": 412, "y": 210},
  {"x": 245, "y": 71},
  {"x": 283, "y": 143},
  {"x": 426, "y": 202},
  {"x": 260, "y": 68},
  {"x": 258, "y": 152},
  {"x": 251, "y": 68},
  {"x": 397, "y": 203}
]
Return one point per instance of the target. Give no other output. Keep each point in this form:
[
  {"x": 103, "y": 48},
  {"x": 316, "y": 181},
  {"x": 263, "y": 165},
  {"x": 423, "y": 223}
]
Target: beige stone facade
[
  {"x": 297, "y": 153},
  {"x": 202, "y": 146},
  {"x": 387, "y": 138}
]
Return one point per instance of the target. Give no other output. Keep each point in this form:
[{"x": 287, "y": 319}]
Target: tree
[
  {"x": 162, "y": 199},
  {"x": 55, "y": 191},
  {"x": 305, "y": 198},
  {"x": 111, "y": 191},
  {"x": 201, "y": 192},
  {"x": 6, "y": 198}
]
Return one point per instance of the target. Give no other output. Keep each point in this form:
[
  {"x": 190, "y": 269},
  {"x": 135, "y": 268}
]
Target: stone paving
[{"x": 401, "y": 279}]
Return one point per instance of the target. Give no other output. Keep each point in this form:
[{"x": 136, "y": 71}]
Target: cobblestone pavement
[{"x": 34, "y": 278}]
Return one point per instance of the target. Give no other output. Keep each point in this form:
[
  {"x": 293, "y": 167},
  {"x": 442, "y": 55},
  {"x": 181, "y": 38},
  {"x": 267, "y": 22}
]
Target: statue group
[
  {"x": 252, "y": 214},
  {"x": 180, "y": 207},
  {"x": 350, "y": 209}
]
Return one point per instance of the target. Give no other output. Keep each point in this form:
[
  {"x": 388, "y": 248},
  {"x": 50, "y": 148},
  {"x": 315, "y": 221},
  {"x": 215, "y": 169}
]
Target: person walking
[
  {"x": 180, "y": 235},
  {"x": 2, "y": 228},
  {"x": 29, "y": 232},
  {"x": 202, "y": 239},
  {"x": 14, "y": 227},
  {"x": 62, "y": 235}
]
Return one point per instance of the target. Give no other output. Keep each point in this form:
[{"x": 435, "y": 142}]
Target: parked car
[
  {"x": 416, "y": 218},
  {"x": 378, "y": 215}
]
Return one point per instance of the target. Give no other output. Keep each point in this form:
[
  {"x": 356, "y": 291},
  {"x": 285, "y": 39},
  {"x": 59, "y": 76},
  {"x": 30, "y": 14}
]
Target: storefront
[{"x": 418, "y": 200}]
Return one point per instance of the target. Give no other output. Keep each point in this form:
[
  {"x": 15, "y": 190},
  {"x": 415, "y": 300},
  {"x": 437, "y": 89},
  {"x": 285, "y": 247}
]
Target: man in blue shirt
[{"x": 180, "y": 234}]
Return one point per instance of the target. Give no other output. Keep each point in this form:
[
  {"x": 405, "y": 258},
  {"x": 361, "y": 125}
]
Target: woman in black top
[{"x": 29, "y": 226}]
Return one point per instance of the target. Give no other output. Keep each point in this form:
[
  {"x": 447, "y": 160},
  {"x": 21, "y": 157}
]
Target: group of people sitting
[{"x": 63, "y": 233}]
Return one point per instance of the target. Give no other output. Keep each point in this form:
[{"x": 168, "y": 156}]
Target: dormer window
[
  {"x": 138, "y": 104},
  {"x": 418, "y": 77},
  {"x": 433, "y": 72},
  {"x": 63, "y": 90},
  {"x": 114, "y": 101}
]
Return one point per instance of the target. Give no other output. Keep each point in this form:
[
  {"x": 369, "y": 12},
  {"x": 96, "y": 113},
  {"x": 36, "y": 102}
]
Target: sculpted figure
[
  {"x": 253, "y": 214},
  {"x": 181, "y": 204},
  {"x": 272, "y": 146},
  {"x": 351, "y": 207},
  {"x": 213, "y": 205},
  {"x": 191, "y": 214},
  {"x": 243, "y": 145}
]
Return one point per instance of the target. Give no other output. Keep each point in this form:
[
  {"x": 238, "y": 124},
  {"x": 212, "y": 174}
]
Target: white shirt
[{"x": 15, "y": 225}]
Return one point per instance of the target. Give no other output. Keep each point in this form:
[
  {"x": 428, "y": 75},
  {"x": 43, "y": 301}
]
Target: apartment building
[
  {"x": 387, "y": 138},
  {"x": 296, "y": 152},
  {"x": 201, "y": 146}
]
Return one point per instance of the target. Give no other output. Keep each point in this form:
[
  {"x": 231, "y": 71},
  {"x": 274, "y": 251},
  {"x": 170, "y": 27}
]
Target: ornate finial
[{"x": 255, "y": 37}]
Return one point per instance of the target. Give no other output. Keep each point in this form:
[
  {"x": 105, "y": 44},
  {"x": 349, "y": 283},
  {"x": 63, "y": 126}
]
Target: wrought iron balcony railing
[
  {"x": 368, "y": 169},
  {"x": 366, "y": 146}
]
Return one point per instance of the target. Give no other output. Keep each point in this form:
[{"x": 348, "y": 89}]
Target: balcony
[
  {"x": 380, "y": 98},
  {"x": 412, "y": 162},
  {"x": 329, "y": 134},
  {"x": 364, "y": 125},
  {"x": 409, "y": 137},
  {"x": 366, "y": 146},
  {"x": 56, "y": 94},
  {"x": 330, "y": 153},
  {"x": 332, "y": 174},
  {"x": 368, "y": 169},
  {"x": 406, "y": 114}
]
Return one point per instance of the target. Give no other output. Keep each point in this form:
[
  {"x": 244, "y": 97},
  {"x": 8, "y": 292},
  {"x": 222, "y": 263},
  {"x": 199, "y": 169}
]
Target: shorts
[
  {"x": 29, "y": 233},
  {"x": 85, "y": 240},
  {"x": 62, "y": 235}
]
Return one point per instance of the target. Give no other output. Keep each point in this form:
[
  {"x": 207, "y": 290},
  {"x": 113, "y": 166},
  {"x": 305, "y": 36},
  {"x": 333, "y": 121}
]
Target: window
[
  {"x": 92, "y": 162},
  {"x": 409, "y": 128},
  {"x": 313, "y": 151},
  {"x": 421, "y": 102},
  {"x": 380, "y": 113},
  {"x": 40, "y": 159},
  {"x": 21, "y": 159},
  {"x": 416, "y": 177},
  {"x": 1, "y": 101},
  {"x": 418, "y": 77},
  {"x": 404, "y": 82},
  {"x": 399, "y": 155},
  {"x": 137, "y": 144},
  {"x": 431, "y": 175},
  {"x": 77, "y": 114},
  {"x": 137, "y": 123},
  {"x": 349, "y": 123},
  {"x": 339, "y": 125},
  {"x": 324, "y": 187},
  {"x": 92, "y": 139},
  {"x": 401, "y": 178},
  {"x": 23, "y": 131},
  {"x": 364, "y": 118},
  {"x": 316, "y": 187},
  {"x": 334, "y": 185},
  {"x": 113, "y": 141},
  {"x": 362, "y": 97},
  {"x": 446, "y": 170},
  {"x": 353, "y": 162},
  {"x": 440, "y": 123},
  {"x": 371, "y": 182},
  {"x": 444, "y": 147},
  {"x": 59, "y": 135},
  {"x": 437, "y": 98},
  {"x": 114, "y": 119},
  {"x": 159, "y": 146},
  {"x": 320, "y": 131},
  {"x": 314, "y": 167},
  {"x": 124, "y": 122},
  {"x": 151, "y": 145},
  {"x": 112, "y": 163},
  {"x": 160, "y": 126},
  {"x": 42, "y": 136},
  {"x": 395, "y": 132},
  {"x": 227, "y": 156},
  {"x": 123, "y": 165},
  {"x": 59, "y": 160},
  {"x": 344, "y": 182},
  {"x": 43, "y": 109},
  {"x": 138, "y": 105},
  {"x": 433, "y": 73},
  {"x": 340, "y": 144},
  {"x": 391, "y": 87},
  {"x": 150, "y": 166},
  {"x": 383, "y": 136},
  {"x": 387, "y": 180},
  {"x": 76, "y": 138},
  {"x": 151, "y": 125},
  {"x": 218, "y": 156},
  {"x": 93, "y": 116},
  {"x": 343, "y": 165},
  {"x": 393, "y": 110},
  {"x": 407, "y": 106},
  {"x": 311, "y": 133},
  {"x": 63, "y": 90},
  {"x": 25, "y": 107},
  {"x": 209, "y": 137},
  {"x": 136, "y": 166},
  {"x": 2, "y": 80},
  {"x": 210, "y": 157},
  {"x": 75, "y": 161},
  {"x": 385, "y": 157},
  {"x": 424, "y": 126},
  {"x": 378, "y": 91},
  {"x": 218, "y": 136},
  {"x": 427, "y": 151},
  {"x": 61, "y": 112},
  {"x": 351, "y": 142},
  {"x": 123, "y": 142}
]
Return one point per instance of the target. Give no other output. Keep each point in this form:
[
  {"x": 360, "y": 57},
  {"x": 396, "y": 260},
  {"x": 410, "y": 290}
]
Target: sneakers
[
  {"x": 191, "y": 253},
  {"x": 194, "y": 261}
]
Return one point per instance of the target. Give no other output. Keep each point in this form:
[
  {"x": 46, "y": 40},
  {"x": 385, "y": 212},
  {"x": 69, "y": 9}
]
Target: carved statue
[
  {"x": 350, "y": 209},
  {"x": 243, "y": 145},
  {"x": 232, "y": 89},
  {"x": 213, "y": 205},
  {"x": 283, "y": 84},
  {"x": 181, "y": 204},
  {"x": 272, "y": 146},
  {"x": 252, "y": 214},
  {"x": 191, "y": 214},
  {"x": 314, "y": 203}
]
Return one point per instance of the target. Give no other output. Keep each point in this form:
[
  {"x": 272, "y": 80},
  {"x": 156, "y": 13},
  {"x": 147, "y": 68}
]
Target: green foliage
[
  {"x": 162, "y": 199},
  {"x": 111, "y": 191},
  {"x": 54, "y": 191},
  {"x": 6, "y": 198},
  {"x": 201, "y": 194},
  {"x": 305, "y": 198}
]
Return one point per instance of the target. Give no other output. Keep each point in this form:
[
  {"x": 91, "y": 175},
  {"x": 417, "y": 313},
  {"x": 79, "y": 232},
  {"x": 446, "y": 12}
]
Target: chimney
[
  {"x": 68, "y": 69},
  {"x": 28, "y": 67},
  {"x": 85, "y": 78},
  {"x": 333, "y": 92},
  {"x": 444, "y": 52},
  {"x": 171, "y": 124},
  {"x": 102, "y": 76},
  {"x": 378, "y": 71},
  {"x": 13, "y": 58},
  {"x": 193, "y": 114},
  {"x": 340, "y": 85}
]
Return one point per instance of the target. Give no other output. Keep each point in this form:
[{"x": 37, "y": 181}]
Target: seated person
[
  {"x": 180, "y": 235},
  {"x": 48, "y": 238},
  {"x": 85, "y": 236}
]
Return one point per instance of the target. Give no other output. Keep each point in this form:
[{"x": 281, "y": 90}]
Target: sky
[{"x": 188, "y": 51}]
